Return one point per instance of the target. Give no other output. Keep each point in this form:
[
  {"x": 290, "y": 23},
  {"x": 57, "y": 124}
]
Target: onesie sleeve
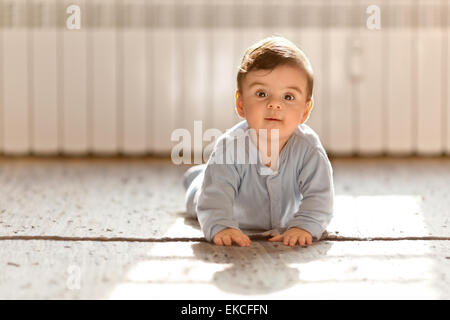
[
  {"x": 315, "y": 181},
  {"x": 216, "y": 198}
]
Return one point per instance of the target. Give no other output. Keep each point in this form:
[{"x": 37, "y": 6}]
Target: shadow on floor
[{"x": 262, "y": 268}]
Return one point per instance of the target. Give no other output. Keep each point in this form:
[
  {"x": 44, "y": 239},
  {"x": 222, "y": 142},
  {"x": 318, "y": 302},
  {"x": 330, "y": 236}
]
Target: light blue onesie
[{"x": 235, "y": 192}]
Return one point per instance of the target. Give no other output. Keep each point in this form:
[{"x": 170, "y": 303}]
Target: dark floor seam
[
  {"x": 101, "y": 239},
  {"x": 185, "y": 239}
]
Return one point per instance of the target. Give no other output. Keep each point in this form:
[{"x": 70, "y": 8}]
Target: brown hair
[{"x": 271, "y": 52}]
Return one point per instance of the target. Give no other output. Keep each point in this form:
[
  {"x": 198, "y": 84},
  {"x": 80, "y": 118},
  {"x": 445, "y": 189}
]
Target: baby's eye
[
  {"x": 289, "y": 97},
  {"x": 259, "y": 94}
]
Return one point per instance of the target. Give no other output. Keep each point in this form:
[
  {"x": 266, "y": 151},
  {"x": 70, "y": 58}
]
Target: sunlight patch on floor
[
  {"x": 169, "y": 265},
  {"x": 181, "y": 228},
  {"x": 378, "y": 215}
]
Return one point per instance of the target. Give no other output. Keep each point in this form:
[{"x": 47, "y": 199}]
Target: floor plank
[
  {"x": 144, "y": 198},
  {"x": 402, "y": 197},
  {"x": 89, "y": 198},
  {"x": 199, "y": 270}
]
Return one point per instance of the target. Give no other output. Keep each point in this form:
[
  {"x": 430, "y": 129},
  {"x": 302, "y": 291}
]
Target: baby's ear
[
  {"x": 307, "y": 112},
  {"x": 239, "y": 107}
]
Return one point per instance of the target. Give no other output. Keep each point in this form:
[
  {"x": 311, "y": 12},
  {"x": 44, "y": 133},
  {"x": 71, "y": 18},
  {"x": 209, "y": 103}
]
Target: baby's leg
[
  {"x": 191, "y": 174},
  {"x": 193, "y": 178}
]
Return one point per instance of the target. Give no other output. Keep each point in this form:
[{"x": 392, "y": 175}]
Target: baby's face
[{"x": 274, "y": 99}]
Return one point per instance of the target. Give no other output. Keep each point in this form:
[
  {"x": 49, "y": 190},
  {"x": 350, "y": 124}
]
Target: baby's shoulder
[
  {"x": 307, "y": 148},
  {"x": 305, "y": 138}
]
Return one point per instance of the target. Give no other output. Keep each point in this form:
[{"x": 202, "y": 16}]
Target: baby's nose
[{"x": 275, "y": 104}]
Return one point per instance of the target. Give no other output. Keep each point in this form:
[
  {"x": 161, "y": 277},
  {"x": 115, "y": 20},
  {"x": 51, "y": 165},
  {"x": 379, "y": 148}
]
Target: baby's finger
[
  {"x": 277, "y": 238},
  {"x": 286, "y": 240},
  {"x": 226, "y": 240},
  {"x": 239, "y": 240},
  {"x": 218, "y": 241},
  {"x": 309, "y": 241},
  {"x": 292, "y": 241},
  {"x": 301, "y": 241},
  {"x": 246, "y": 240}
]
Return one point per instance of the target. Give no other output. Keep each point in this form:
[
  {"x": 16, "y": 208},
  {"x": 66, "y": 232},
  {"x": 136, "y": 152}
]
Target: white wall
[{"x": 137, "y": 70}]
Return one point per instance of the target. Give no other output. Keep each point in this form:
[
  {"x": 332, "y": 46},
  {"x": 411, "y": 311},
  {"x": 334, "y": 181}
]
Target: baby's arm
[
  {"x": 315, "y": 181},
  {"x": 216, "y": 198}
]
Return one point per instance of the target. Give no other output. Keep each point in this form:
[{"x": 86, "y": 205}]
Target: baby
[{"x": 289, "y": 186}]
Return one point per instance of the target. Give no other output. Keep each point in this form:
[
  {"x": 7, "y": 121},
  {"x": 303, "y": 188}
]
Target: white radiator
[{"x": 137, "y": 70}]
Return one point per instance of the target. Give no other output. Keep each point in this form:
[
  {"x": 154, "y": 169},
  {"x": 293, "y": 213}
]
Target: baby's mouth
[{"x": 272, "y": 119}]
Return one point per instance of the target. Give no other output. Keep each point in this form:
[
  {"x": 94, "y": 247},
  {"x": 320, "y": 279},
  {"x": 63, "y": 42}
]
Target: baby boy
[{"x": 290, "y": 185}]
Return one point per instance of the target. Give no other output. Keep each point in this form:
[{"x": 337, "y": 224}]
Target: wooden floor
[{"x": 116, "y": 228}]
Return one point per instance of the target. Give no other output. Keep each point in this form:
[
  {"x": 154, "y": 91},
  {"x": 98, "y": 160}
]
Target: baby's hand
[
  {"x": 230, "y": 235},
  {"x": 293, "y": 235}
]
